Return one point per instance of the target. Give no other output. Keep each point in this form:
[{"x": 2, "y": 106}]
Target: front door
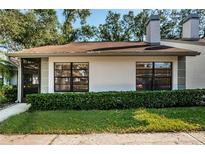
[{"x": 30, "y": 76}]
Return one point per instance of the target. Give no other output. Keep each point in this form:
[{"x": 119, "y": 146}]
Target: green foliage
[
  {"x": 114, "y": 100},
  {"x": 140, "y": 24},
  {"x": 28, "y": 28},
  {"x": 8, "y": 93},
  {"x": 123, "y": 28},
  {"x": 130, "y": 27},
  {"x": 112, "y": 29},
  {"x": 113, "y": 121},
  {"x": 31, "y": 28},
  {"x": 85, "y": 33},
  {"x": 6, "y": 68},
  {"x": 3, "y": 100},
  {"x": 71, "y": 15}
]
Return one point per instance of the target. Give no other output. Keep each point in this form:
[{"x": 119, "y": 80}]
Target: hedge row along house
[{"x": 115, "y": 66}]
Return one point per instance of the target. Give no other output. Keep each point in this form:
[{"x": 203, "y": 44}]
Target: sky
[{"x": 97, "y": 16}]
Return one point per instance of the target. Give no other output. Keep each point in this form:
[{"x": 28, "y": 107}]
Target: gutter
[{"x": 99, "y": 53}]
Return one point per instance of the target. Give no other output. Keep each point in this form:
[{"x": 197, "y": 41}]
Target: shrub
[
  {"x": 115, "y": 100},
  {"x": 9, "y": 92},
  {"x": 3, "y": 100}
]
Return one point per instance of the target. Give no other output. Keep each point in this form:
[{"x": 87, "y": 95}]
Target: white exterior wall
[
  {"x": 111, "y": 73},
  {"x": 195, "y": 66},
  {"x": 191, "y": 29},
  {"x": 44, "y": 75}
]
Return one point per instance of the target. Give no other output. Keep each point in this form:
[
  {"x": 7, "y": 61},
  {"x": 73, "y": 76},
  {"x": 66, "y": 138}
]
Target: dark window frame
[
  {"x": 22, "y": 75},
  {"x": 71, "y": 77},
  {"x": 153, "y": 77}
]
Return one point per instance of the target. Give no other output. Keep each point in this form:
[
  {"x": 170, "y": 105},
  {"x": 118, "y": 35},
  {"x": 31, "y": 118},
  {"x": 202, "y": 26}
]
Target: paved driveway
[{"x": 143, "y": 138}]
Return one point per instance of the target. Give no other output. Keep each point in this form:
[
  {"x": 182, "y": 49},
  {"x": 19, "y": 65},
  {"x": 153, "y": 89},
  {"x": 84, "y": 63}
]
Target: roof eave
[{"x": 142, "y": 53}]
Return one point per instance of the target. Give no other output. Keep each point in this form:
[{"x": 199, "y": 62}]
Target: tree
[
  {"x": 12, "y": 28},
  {"x": 169, "y": 22},
  {"x": 28, "y": 28},
  {"x": 140, "y": 24},
  {"x": 85, "y": 33},
  {"x": 71, "y": 15},
  {"x": 117, "y": 27},
  {"x": 128, "y": 26},
  {"x": 111, "y": 30},
  {"x": 44, "y": 30},
  {"x": 201, "y": 13}
]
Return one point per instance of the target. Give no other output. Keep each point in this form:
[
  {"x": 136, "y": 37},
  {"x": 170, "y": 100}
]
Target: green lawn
[{"x": 117, "y": 121}]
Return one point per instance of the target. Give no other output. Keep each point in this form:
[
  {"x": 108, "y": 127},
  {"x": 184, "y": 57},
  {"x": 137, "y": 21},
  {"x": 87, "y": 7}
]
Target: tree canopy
[{"x": 31, "y": 28}]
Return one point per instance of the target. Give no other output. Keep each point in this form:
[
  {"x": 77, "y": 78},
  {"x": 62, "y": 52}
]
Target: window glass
[
  {"x": 144, "y": 73},
  {"x": 144, "y": 65},
  {"x": 162, "y": 72},
  {"x": 153, "y": 75},
  {"x": 71, "y": 76},
  {"x": 80, "y": 66},
  {"x": 62, "y": 88},
  {"x": 80, "y": 88},
  {"x": 162, "y": 65},
  {"x": 62, "y": 66},
  {"x": 80, "y": 73},
  {"x": 62, "y": 80},
  {"x": 162, "y": 83},
  {"x": 144, "y": 84},
  {"x": 80, "y": 81},
  {"x": 62, "y": 73}
]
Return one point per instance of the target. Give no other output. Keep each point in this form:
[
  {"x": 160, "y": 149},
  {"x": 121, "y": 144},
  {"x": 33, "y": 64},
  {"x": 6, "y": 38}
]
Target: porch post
[{"x": 19, "y": 93}]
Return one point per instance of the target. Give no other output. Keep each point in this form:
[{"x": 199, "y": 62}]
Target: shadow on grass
[
  {"x": 164, "y": 121},
  {"x": 112, "y": 121}
]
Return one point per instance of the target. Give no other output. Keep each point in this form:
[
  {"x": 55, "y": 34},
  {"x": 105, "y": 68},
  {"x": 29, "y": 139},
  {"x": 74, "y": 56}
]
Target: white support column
[
  {"x": 19, "y": 93},
  {"x": 50, "y": 75},
  {"x": 44, "y": 75}
]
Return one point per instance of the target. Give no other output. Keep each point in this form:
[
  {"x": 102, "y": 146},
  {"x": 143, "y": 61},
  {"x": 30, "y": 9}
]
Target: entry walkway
[
  {"x": 196, "y": 138},
  {"x": 13, "y": 110}
]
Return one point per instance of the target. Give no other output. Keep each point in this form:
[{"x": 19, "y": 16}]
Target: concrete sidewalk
[
  {"x": 196, "y": 138},
  {"x": 13, "y": 110}
]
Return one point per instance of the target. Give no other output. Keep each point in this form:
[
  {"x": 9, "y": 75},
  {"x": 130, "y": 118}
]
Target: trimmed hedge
[{"x": 115, "y": 100}]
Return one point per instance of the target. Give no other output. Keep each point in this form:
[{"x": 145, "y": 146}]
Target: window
[
  {"x": 71, "y": 76},
  {"x": 153, "y": 75}
]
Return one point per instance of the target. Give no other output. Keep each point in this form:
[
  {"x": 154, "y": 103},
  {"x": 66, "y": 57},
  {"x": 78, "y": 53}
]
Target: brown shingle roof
[{"x": 103, "y": 48}]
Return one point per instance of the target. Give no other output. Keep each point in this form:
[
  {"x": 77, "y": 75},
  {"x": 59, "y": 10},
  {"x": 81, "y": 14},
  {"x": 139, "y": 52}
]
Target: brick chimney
[
  {"x": 190, "y": 29},
  {"x": 153, "y": 30}
]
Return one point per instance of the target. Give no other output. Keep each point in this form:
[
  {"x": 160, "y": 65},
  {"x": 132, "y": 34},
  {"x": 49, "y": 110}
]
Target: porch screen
[
  {"x": 72, "y": 76},
  {"x": 153, "y": 76}
]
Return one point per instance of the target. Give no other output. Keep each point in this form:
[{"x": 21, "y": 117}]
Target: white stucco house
[{"x": 114, "y": 66}]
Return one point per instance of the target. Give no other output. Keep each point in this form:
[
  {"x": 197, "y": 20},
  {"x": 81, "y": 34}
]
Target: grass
[{"x": 116, "y": 121}]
